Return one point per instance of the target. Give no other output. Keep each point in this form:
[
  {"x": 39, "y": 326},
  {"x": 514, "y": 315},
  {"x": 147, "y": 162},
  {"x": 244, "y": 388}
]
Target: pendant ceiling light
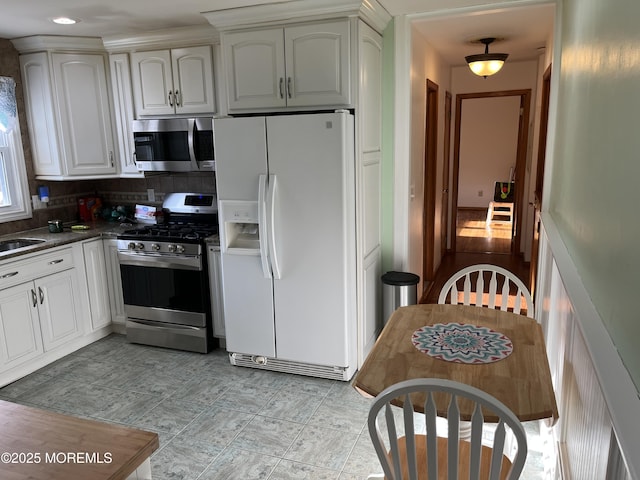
[{"x": 485, "y": 64}]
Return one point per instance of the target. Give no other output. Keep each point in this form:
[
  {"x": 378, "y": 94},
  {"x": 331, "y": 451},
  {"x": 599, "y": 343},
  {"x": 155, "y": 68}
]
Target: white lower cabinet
[
  {"x": 58, "y": 308},
  {"x": 116, "y": 300},
  {"x": 51, "y": 304},
  {"x": 97, "y": 284},
  {"x": 41, "y": 313},
  {"x": 21, "y": 340}
]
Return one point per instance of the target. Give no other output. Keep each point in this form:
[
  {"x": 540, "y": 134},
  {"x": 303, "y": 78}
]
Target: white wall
[
  {"x": 513, "y": 76},
  {"x": 425, "y": 64},
  {"x": 488, "y": 147}
]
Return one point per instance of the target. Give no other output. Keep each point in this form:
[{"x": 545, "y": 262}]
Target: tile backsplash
[{"x": 63, "y": 196}]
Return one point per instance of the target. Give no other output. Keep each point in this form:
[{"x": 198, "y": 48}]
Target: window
[{"x": 14, "y": 190}]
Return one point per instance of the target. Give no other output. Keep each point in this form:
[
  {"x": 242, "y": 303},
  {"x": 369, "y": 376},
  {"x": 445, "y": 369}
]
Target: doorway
[{"x": 490, "y": 145}]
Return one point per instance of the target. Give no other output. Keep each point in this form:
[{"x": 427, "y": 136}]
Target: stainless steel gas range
[{"x": 164, "y": 274}]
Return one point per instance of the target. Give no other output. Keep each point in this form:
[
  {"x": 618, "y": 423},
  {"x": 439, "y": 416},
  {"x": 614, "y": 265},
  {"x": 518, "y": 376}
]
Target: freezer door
[
  {"x": 248, "y": 306},
  {"x": 311, "y": 159},
  {"x": 241, "y": 156}
]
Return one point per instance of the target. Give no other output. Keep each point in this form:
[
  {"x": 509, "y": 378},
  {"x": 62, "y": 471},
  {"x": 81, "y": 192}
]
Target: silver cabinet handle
[
  {"x": 170, "y": 99},
  {"x": 54, "y": 262},
  {"x": 176, "y": 95},
  {"x": 111, "y": 157},
  {"x": 281, "y": 87},
  {"x": 9, "y": 275},
  {"x": 41, "y": 294},
  {"x": 34, "y": 298},
  {"x": 289, "y": 89}
]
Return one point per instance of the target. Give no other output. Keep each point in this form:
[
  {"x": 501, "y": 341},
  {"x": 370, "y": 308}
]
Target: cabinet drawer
[{"x": 35, "y": 266}]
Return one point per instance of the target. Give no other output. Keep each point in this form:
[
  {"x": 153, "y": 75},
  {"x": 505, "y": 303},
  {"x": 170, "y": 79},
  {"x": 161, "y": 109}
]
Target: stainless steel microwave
[{"x": 174, "y": 144}]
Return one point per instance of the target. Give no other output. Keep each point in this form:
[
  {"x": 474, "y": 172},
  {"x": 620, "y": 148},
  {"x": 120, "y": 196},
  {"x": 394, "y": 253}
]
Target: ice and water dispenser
[{"x": 241, "y": 230}]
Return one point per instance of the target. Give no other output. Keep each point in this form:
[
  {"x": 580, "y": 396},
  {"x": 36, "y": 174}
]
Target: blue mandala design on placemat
[{"x": 462, "y": 343}]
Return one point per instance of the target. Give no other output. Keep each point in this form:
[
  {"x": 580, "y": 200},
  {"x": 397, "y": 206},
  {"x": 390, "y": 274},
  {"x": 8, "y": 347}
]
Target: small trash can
[{"x": 399, "y": 289}]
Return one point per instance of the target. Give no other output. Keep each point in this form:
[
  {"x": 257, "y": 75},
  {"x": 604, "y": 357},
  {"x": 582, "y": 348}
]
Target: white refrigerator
[{"x": 286, "y": 192}]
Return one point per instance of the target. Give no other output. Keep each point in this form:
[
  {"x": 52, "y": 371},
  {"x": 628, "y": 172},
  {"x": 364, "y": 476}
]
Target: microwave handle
[{"x": 191, "y": 122}]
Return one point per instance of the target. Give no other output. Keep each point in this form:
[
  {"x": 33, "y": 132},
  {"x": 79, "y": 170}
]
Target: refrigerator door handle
[
  {"x": 262, "y": 225},
  {"x": 271, "y": 206}
]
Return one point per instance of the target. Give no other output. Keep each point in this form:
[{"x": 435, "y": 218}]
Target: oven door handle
[
  {"x": 157, "y": 325},
  {"x": 160, "y": 261}
]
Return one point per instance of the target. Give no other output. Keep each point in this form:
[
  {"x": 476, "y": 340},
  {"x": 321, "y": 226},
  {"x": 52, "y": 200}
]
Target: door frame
[
  {"x": 537, "y": 195},
  {"x": 429, "y": 182},
  {"x": 521, "y": 160},
  {"x": 445, "y": 231}
]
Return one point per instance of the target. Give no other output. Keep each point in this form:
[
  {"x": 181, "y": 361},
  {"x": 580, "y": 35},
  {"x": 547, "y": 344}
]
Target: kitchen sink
[{"x": 7, "y": 245}]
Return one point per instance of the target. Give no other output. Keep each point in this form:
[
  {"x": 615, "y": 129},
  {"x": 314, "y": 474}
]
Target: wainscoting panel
[{"x": 588, "y": 444}]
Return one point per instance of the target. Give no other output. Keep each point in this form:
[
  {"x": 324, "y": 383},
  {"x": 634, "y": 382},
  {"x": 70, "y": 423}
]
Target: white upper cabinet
[
  {"x": 254, "y": 65},
  {"x": 69, "y": 116},
  {"x": 295, "y": 66},
  {"x": 123, "y": 113},
  {"x": 177, "y": 81}
]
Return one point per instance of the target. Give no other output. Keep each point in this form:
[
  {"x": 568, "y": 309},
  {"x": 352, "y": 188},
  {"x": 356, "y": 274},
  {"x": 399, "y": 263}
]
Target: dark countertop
[{"x": 96, "y": 229}]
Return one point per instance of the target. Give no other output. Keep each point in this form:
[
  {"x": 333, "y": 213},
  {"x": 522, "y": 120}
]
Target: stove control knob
[
  {"x": 131, "y": 246},
  {"x": 171, "y": 247},
  {"x": 179, "y": 249},
  {"x": 155, "y": 247},
  {"x": 140, "y": 246}
]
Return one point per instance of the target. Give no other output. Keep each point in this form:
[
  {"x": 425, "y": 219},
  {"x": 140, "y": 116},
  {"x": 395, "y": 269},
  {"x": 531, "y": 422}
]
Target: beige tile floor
[{"x": 217, "y": 421}]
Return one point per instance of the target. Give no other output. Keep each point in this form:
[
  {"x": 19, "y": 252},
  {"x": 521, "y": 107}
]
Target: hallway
[{"x": 483, "y": 245}]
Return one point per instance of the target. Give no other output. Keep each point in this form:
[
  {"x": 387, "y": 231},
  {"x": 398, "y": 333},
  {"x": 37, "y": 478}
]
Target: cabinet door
[
  {"x": 123, "y": 113},
  {"x": 96, "y": 272},
  {"x": 58, "y": 308},
  {"x": 20, "y": 340},
  {"x": 41, "y": 119},
  {"x": 116, "y": 301},
  {"x": 318, "y": 64},
  {"x": 85, "y": 115},
  {"x": 254, "y": 64},
  {"x": 193, "y": 79},
  {"x": 152, "y": 83}
]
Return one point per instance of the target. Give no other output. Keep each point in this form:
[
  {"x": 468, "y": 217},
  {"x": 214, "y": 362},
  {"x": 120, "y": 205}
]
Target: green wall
[{"x": 595, "y": 177}]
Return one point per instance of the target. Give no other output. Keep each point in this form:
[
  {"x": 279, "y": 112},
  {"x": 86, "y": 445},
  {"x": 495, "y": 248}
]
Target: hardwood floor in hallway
[
  {"x": 482, "y": 244},
  {"x": 474, "y": 235}
]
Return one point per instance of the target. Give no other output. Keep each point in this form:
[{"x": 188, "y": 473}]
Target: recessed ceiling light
[{"x": 64, "y": 20}]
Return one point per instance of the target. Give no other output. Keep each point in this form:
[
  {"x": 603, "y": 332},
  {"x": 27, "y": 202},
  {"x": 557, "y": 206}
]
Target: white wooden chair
[
  {"x": 407, "y": 455},
  {"x": 505, "y": 290},
  {"x": 502, "y": 210}
]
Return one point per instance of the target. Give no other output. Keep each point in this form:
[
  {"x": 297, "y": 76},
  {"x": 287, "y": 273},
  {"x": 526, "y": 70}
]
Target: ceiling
[{"x": 524, "y": 29}]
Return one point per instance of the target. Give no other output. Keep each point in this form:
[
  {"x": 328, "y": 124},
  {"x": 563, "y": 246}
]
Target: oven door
[{"x": 163, "y": 288}]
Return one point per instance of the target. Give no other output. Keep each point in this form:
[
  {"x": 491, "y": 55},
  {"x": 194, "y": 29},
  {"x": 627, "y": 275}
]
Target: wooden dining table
[
  {"x": 41, "y": 444},
  {"x": 521, "y": 380}
]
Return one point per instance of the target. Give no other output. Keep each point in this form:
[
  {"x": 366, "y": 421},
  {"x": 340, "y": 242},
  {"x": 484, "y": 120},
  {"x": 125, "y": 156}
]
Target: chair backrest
[
  {"x": 406, "y": 454},
  {"x": 504, "y": 290}
]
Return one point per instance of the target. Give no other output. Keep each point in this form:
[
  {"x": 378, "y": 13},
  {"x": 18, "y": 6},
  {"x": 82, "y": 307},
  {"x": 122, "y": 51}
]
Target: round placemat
[{"x": 462, "y": 343}]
